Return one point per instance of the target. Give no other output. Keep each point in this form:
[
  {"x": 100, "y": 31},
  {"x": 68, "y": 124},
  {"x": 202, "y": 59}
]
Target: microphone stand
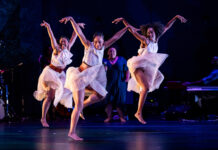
[{"x": 10, "y": 115}]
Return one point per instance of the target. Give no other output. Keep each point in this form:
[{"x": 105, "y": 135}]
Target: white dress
[
  {"x": 95, "y": 76},
  {"x": 55, "y": 80},
  {"x": 149, "y": 61}
]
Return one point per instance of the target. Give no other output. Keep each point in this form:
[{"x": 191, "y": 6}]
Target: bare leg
[
  {"x": 45, "y": 106},
  {"x": 108, "y": 110},
  {"x": 78, "y": 99},
  {"x": 94, "y": 98},
  {"x": 82, "y": 116},
  {"x": 121, "y": 115},
  {"x": 139, "y": 74}
]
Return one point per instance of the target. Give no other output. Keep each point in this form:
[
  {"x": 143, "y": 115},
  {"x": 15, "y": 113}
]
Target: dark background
[{"x": 190, "y": 46}]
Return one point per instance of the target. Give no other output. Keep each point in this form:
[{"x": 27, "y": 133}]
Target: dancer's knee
[
  {"x": 79, "y": 106},
  {"x": 144, "y": 89},
  {"x": 99, "y": 97}
]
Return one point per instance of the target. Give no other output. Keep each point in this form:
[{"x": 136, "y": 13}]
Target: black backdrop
[{"x": 190, "y": 46}]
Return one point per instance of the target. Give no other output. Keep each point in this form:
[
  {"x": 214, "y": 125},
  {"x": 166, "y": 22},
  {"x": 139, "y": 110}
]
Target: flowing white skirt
[
  {"x": 149, "y": 63},
  {"x": 94, "y": 76},
  {"x": 53, "y": 80}
]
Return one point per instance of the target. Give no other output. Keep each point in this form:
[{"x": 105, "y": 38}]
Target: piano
[{"x": 202, "y": 88}]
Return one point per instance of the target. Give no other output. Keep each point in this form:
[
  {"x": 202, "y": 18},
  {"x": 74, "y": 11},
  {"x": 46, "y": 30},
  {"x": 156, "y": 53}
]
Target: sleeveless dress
[
  {"x": 55, "y": 80},
  {"x": 95, "y": 76},
  {"x": 149, "y": 61}
]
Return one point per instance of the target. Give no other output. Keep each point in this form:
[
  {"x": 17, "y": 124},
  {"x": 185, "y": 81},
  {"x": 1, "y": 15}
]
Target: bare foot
[
  {"x": 140, "y": 118},
  {"x": 75, "y": 137},
  {"x": 107, "y": 120},
  {"x": 122, "y": 120},
  {"x": 82, "y": 116},
  {"x": 44, "y": 123}
]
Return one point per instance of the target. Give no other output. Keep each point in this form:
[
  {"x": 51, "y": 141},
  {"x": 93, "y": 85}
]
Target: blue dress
[{"x": 116, "y": 85}]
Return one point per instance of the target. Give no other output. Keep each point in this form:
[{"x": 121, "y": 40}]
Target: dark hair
[
  {"x": 64, "y": 37},
  {"x": 98, "y": 34},
  {"x": 157, "y": 26},
  {"x": 114, "y": 46}
]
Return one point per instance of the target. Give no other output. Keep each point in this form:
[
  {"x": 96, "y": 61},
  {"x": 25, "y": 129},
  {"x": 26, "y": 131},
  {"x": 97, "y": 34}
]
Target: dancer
[
  {"x": 90, "y": 75},
  {"x": 144, "y": 68},
  {"x": 52, "y": 79},
  {"x": 117, "y": 76}
]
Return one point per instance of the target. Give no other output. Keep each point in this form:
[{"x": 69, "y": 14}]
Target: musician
[
  {"x": 207, "y": 101},
  {"x": 211, "y": 79}
]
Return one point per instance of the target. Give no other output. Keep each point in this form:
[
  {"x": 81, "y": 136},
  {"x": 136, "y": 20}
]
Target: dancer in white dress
[
  {"x": 51, "y": 80},
  {"x": 90, "y": 75},
  {"x": 144, "y": 68}
]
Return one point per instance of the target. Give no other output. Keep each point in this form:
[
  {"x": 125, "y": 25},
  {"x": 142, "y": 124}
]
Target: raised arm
[
  {"x": 77, "y": 29},
  {"x": 172, "y": 21},
  {"x": 125, "y": 23},
  {"x": 54, "y": 44},
  {"x": 74, "y": 36},
  {"x": 133, "y": 30},
  {"x": 114, "y": 38}
]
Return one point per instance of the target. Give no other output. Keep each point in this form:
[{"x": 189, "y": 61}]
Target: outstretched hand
[
  {"x": 181, "y": 18},
  {"x": 133, "y": 28},
  {"x": 116, "y": 21},
  {"x": 65, "y": 20},
  {"x": 44, "y": 24},
  {"x": 82, "y": 25}
]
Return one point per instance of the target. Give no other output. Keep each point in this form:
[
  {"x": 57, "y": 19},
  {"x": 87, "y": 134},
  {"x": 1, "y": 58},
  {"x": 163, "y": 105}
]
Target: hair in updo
[
  {"x": 98, "y": 34},
  {"x": 64, "y": 37},
  {"x": 157, "y": 26}
]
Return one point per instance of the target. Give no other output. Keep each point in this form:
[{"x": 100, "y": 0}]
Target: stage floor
[{"x": 156, "y": 135}]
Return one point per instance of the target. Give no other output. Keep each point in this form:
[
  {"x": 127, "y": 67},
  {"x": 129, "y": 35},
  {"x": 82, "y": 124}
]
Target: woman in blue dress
[{"x": 117, "y": 76}]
